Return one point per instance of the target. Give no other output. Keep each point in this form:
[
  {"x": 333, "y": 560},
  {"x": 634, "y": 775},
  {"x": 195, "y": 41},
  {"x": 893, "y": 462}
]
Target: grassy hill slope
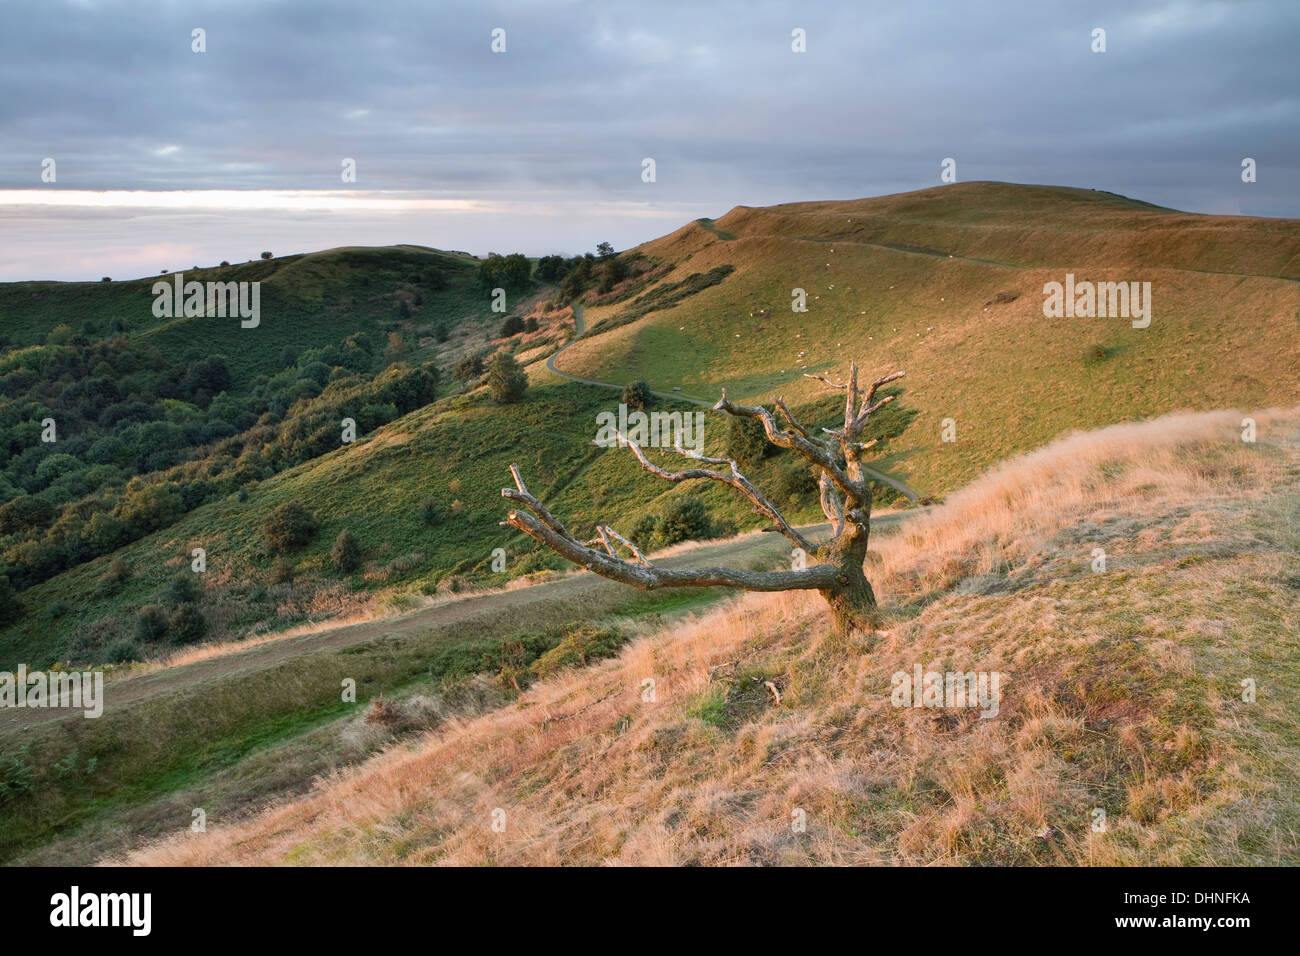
[
  {"x": 947, "y": 284},
  {"x": 307, "y": 300},
  {"x": 1120, "y": 692}
]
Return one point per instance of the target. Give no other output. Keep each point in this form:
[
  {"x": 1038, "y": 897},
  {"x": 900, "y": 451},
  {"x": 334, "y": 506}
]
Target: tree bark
[
  {"x": 852, "y": 600},
  {"x": 845, "y": 494}
]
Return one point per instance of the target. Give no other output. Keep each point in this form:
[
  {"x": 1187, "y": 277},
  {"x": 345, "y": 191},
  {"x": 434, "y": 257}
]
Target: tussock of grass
[{"x": 1121, "y": 693}]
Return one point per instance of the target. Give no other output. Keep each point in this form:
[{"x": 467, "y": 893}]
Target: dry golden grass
[{"x": 1119, "y": 692}]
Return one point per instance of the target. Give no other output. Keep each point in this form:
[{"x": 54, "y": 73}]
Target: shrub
[
  {"x": 103, "y": 533},
  {"x": 346, "y": 553},
  {"x": 146, "y": 508},
  {"x": 637, "y": 395},
  {"x": 150, "y": 624},
  {"x": 642, "y": 532},
  {"x": 118, "y": 570},
  {"x": 505, "y": 379},
  {"x": 581, "y": 645},
  {"x": 793, "y": 484},
  {"x": 746, "y": 442},
  {"x": 266, "y": 255},
  {"x": 182, "y": 589},
  {"x": 510, "y": 272},
  {"x": 512, "y": 326},
  {"x": 430, "y": 513},
  {"x": 468, "y": 368},
  {"x": 121, "y": 651},
  {"x": 11, "y": 608},
  {"x": 289, "y": 527},
  {"x": 188, "y": 624},
  {"x": 16, "y": 775},
  {"x": 111, "y": 581},
  {"x": 685, "y": 519},
  {"x": 106, "y": 279},
  {"x": 26, "y": 513},
  {"x": 530, "y": 324}
]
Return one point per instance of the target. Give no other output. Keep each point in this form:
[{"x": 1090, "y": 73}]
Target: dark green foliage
[
  {"x": 26, "y": 513},
  {"x": 579, "y": 646},
  {"x": 289, "y": 527},
  {"x": 182, "y": 589},
  {"x": 747, "y": 443},
  {"x": 506, "y": 380},
  {"x": 578, "y": 278},
  {"x": 552, "y": 268},
  {"x": 211, "y": 374},
  {"x": 505, "y": 272},
  {"x": 17, "y": 776},
  {"x": 642, "y": 532},
  {"x": 346, "y": 553},
  {"x": 429, "y": 512},
  {"x": 512, "y": 326},
  {"x": 636, "y": 395},
  {"x": 684, "y": 519},
  {"x": 11, "y": 609},
  {"x": 150, "y": 624},
  {"x": 121, "y": 651},
  {"x": 181, "y": 408},
  {"x": 665, "y": 297},
  {"x": 613, "y": 272},
  {"x": 146, "y": 508},
  {"x": 468, "y": 368},
  {"x": 187, "y": 624},
  {"x": 792, "y": 484}
]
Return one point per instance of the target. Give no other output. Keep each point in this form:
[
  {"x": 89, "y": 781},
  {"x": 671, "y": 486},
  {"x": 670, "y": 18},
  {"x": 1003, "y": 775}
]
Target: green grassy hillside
[
  {"x": 945, "y": 283},
  {"x": 307, "y": 300}
]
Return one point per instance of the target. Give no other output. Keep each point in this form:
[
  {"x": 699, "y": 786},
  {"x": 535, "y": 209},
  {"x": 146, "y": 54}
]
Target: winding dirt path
[{"x": 495, "y": 612}]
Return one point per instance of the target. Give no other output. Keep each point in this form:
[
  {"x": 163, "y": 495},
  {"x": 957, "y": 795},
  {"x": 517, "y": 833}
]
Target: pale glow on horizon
[
  {"x": 81, "y": 235},
  {"x": 331, "y": 200},
  {"x": 235, "y": 199}
]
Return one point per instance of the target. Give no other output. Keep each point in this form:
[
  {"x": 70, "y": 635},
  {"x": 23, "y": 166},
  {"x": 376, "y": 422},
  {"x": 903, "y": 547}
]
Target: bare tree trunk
[
  {"x": 852, "y": 600},
  {"x": 845, "y": 497}
]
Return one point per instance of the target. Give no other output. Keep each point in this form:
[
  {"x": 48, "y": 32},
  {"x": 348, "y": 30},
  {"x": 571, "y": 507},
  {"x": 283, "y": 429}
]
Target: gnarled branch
[
  {"x": 814, "y": 452},
  {"x": 649, "y": 577},
  {"x": 832, "y": 504},
  {"x": 844, "y": 494},
  {"x": 735, "y": 479}
]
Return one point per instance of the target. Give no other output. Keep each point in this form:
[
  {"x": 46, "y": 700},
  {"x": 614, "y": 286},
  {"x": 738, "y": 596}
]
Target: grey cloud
[{"x": 711, "y": 91}]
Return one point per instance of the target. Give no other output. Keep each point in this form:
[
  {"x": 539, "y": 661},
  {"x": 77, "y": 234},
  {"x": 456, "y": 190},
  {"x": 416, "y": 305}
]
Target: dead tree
[{"x": 845, "y": 498}]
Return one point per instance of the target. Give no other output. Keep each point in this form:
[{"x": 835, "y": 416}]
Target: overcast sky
[{"x": 166, "y": 158}]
